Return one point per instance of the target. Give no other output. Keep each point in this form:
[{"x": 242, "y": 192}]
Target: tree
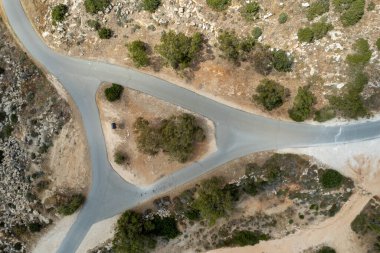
[
  {"x": 282, "y": 61},
  {"x": 178, "y": 49},
  {"x": 263, "y": 60},
  {"x": 58, "y": 13},
  {"x": 138, "y": 52},
  {"x": 218, "y": 5},
  {"x": 71, "y": 204},
  {"x": 151, "y": 5},
  {"x": 212, "y": 202},
  {"x": 105, "y": 33},
  {"x": 331, "y": 179},
  {"x": 362, "y": 53},
  {"x": 245, "y": 237},
  {"x": 114, "y": 92},
  {"x": 326, "y": 249},
  {"x": 270, "y": 94},
  {"x": 94, "y": 6},
  {"x": 249, "y": 11},
  {"x": 353, "y": 14},
  {"x": 165, "y": 227},
  {"x": 302, "y": 105}
]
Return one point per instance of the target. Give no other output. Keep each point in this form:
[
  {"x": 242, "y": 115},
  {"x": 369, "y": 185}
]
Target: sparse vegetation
[
  {"x": 303, "y": 105},
  {"x": 351, "y": 11},
  {"x": 282, "y": 18},
  {"x": 315, "y": 32},
  {"x": 331, "y": 179},
  {"x": 362, "y": 54},
  {"x": 270, "y": 94},
  {"x": 263, "y": 60},
  {"x": 114, "y": 92},
  {"x": 249, "y": 11},
  {"x": 151, "y": 5},
  {"x": 58, "y": 13},
  {"x": 94, "y": 24},
  {"x": 243, "y": 238},
  {"x": 178, "y": 49},
  {"x": 71, "y": 204},
  {"x": 105, "y": 33},
  {"x": 120, "y": 157},
  {"x": 138, "y": 51},
  {"x": 218, "y": 5},
  {"x": 317, "y": 8},
  {"x": 94, "y": 6}
]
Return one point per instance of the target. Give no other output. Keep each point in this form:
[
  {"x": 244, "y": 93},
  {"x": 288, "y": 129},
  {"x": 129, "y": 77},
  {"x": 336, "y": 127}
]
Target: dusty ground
[
  {"x": 143, "y": 169},
  {"x": 320, "y": 64}
]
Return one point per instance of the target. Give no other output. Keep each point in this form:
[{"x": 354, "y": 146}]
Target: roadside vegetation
[
  {"x": 70, "y": 204},
  {"x": 303, "y": 105},
  {"x": 138, "y": 51},
  {"x": 270, "y": 94},
  {"x": 114, "y": 92}
]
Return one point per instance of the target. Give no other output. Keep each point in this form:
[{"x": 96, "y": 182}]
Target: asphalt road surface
[{"x": 237, "y": 133}]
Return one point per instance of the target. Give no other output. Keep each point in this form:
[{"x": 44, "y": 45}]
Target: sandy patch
[{"x": 143, "y": 169}]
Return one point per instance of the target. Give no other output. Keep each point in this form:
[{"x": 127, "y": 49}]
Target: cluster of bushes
[
  {"x": 326, "y": 249},
  {"x": 241, "y": 238},
  {"x": 249, "y": 11},
  {"x": 114, "y": 92},
  {"x": 71, "y": 204},
  {"x": 138, "y": 51},
  {"x": 303, "y": 105},
  {"x": 58, "y": 13},
  {"x": 351, "y": 11},
  {"x": 136, "y": 234},
  {"x": 175, "y": 136},
  {"x": 218, "y": 5},
  {"x": 178, "y": 49},
  {"x": 315, "y": 32},
  {"x": 265, "y": 60},
  {"x": 270, "y": 94},
  {"x": 94, "y": 6},
  {"x": 236, "y": 49},
  {"x": 151, "y": 5},
  {"x": 317, "y": 8}
]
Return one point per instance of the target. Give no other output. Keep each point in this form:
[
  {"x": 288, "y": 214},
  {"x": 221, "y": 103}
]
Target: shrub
[
  {"x": 263, "y": 60},
  {"x": 120, "y": 157},
  {"x": 271, "y": 94},
  {"x": 302, "y": 105},
  {"x": 165, "y": 227},
  {"x": 353, "y": 14},
  {"x": 178, "y": 49},
  {"x": 94, "y": 6},
  {"x": 2, "y": 70},
  {"x": 249, "y": 186},
  {"x": 305, "y": 35},
  {"x": 257, "y": 32},
  {"x": 362, "y": 53},
  {"x": 218, "y": 5},
  {"x": 35, "y": 227},
  {"x": 114, "y": 92},
  {"x": 6, "y": 132},
  {"x": 94, "y": 24},
  {"x": 282, "y": 18},
  {"x": 151, "y": 5},
  {"x": 105, "y": 33},
  {"x": 360, "y": 224},
  {"x": 229, "y": 45},
  {"x": 245, "y": 237},
  {"x": 326, "y": 249},
  {"x": 325, "y": 114},
  {"x": 378, "y": 44},
  {"x": 371, "y": 6},
  {"x": 331, "y": 179},
  {"x": 138, "y": 52},
  {"x": 58, "y": 13},
  {"x": 317, "y": 8},
  {"x": 72, "y": 204},
  {"x": 250, "y": 10},
  {"x": 282, "y": 62}
]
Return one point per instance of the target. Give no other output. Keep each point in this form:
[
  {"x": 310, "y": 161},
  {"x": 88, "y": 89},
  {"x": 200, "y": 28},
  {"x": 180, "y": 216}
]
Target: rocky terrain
[{"x": 32, "y": 115}]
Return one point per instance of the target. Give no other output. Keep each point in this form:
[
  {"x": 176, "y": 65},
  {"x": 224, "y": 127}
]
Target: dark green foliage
[
  {"x": 2, "y": 70},
  {"x": 1, "y": 156},
  {"x": 315, "y": 32},
  {"x": 326, "y": 249},
  {"x": 178, "y": 49},
  {"x": 249, "y": 11},
  {"x": 133, "y": 234},
  {"x": 212, "y": 202},
  {"x": 120, "y": 157},
  {"x": 263, "y": 60},
  {"x": 218, "y": 5},
  {"x": 94, "y": 6},
  {"x": 257, "y": 32},
  {"x": 175, "y": 136},
  {"x": 165, "y": 227},
  {"x": 331, "y": 179},
  {"x": 270, "y": 94},
  {"x": 362, "y": 53},
  {"x": 244, "y": 238},
  {"x": 58, "y": 13},
  {"x": 324, "y": 114},
  {"x": 305, "y": 35},
  {"x": 105, "y": 33},
  {"x": 35, "y": 227},
  {"x": 353, "y": 14},
  {"x": 282, "y": 18},
  {"x": 303, "y": 105},
  {"x": 114, "y": 92},
  {"x": 378, "y": 44},
  {"x": 233, "y": 48},
  {"x": 14, "y": 118},
  {"x": 3, "y": 116},
  {"x": 317, "y": 8},
  {"x": 192, "y": 214},
  {"x": 151, "y": 5},
  {"x": 94, "y": 24},
  {"x": 43, "y": 185},
  {"x": 6, "y": 132},
  {"x": 138, "y": 51},
  {"x": 281, "y": 61},
  {"x": 249, "y": 186},
  {"x": 72, "y": 204}
]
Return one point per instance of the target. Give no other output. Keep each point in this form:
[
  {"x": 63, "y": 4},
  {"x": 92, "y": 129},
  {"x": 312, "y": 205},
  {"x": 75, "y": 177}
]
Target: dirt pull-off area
[{"x": 142, "y": 169}]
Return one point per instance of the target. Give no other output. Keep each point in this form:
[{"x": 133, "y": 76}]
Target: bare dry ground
[{"x": 142, "y": 169}]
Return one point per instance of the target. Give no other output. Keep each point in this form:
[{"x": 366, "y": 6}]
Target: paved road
[{"x": 237, "y": 133}]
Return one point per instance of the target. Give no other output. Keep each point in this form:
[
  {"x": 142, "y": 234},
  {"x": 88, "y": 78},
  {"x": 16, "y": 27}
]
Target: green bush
[
  {"x": 305, "y": 35},
  {"x": 6, "y": 132},
  {"x": 218, "y": 5},
  {"x": 138, "y": 52},
  {"x": 371, "y": 6},
  {"x": 94, "y": 6},
  {"x": 114, "y": 92},
  {"x": 165, "y": 227},
  {"x": 94, "y": 24},
  {"x": 282, "y": 62},
  {"x": 326, "y": 249},
  {"x": 72, "y": 204},
  {"x": 324, "y": 114},
  {"x": 317, "y": 8},
  {"x": 193, "y": 214},
  {"x": 270, "y": 94},
  {"x": 331, "y": 179},
  {"x": 35, "y": 227},
  {"x": 263, "y": 60},
  {"x": 178, "y": 49},
  {"x": 378, "y": 44},
  {"x": 303, "y": 105},
  {"x": 353, "y": 14},
  {"x": 105, "y": 33},
  {"x": 58, "y": 13},
  {"x": 245, "y": 237},
  {"x": 282, "y": 18},
  {"x": 257, "y": 32},
  {"x": 233, "y": 48},
  {"x": 250, "y": 11},
  {"x": 151, "y": 5},
  {"x": 362, "y": 53},
  {"x": 249, "y": 186},
  {"x": 315, "y": 32},
  {"x": 120, "y": 157}
]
